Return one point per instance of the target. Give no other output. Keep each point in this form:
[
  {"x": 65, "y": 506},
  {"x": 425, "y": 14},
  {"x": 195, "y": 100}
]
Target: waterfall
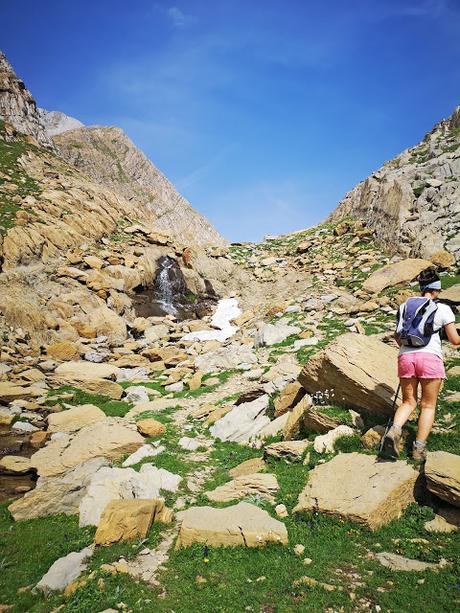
[
  {"x": 169, "y": 284},
  {"x": 165, "y": 286}
]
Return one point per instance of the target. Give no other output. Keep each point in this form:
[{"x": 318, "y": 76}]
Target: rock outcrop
[
  {"x": 18, "y": 107},
  {"x": 411, "y": 202}
]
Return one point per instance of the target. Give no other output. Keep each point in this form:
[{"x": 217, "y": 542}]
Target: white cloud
[{"x": 178, "y": 18}]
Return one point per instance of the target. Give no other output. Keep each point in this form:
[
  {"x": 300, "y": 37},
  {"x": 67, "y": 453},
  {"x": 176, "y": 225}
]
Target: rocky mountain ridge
[
  {"x": 109, "y": 157},
  {"x": 413, "y": 201}
]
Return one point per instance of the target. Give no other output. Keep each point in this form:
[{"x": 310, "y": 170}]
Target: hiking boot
[
  {"x": 390, "y": 446},
  {"x": 418, "y": 452}
]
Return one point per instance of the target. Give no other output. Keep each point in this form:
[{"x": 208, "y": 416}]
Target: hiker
[{"x": 420, "y": 323}]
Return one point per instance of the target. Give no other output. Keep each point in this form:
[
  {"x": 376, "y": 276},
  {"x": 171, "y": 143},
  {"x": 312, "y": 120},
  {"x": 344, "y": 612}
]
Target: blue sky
[{"x": 263, "y": 113}]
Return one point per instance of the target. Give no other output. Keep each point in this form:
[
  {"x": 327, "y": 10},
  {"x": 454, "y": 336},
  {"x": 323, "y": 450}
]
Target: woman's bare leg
[
  {"x": 409, "y": 401},
  {"x": 430, "y": 391}
]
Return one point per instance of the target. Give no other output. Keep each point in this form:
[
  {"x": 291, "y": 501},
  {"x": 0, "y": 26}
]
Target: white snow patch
[{"x": 227, "y": 310}]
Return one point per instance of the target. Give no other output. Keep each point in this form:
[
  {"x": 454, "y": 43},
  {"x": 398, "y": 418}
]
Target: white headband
[{"x": 433, "y": 285}]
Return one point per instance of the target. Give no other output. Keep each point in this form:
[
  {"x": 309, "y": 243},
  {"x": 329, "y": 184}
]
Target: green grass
[
  {"x": 10, "y": 152},
  {"x": 28, "y": 549},
  {"x": 112, "y": 408}
]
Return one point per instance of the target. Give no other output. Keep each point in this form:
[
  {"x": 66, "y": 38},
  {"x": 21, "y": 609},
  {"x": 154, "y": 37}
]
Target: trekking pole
[{"x": 390, "y": 420}]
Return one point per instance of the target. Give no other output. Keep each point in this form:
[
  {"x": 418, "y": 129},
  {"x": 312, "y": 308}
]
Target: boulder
[
  {"x": 203, "y": 411},
  {"x": 136, "y": 394},
  {"x": 360, "y": 369},
  {"x": 194, "y": 382},
  {"x": 64, "y": 350},
  {"x": 65, "y": 570},
  {"x": 275, "y": 427},
  {"x": 243, "y": 422},
  {"x": 442, "y": 259},
  {"x": 14, "y": 391},
  {"x": 225, "y": 358},
  {"x": 272, "y": 334},
  {"x": 289, "y": 397},
  {"x": 243, "y": 524},
  {"x": 294, "y": 425},
  {"x": 126, "y": 520},
  {"x": 107, "y": 323},
  {"x": 15, "y": 465},
  {"x": 86, "y": 370},
  {"x": 75, "y": 418},
  {"x": 372, "y": 437},
  {"x": 217, "y": 414},
  {"x": 150, "y": 427},
  {"x": 325, "y": 442},
  {"x": 452, "y": 294},
  {"x": 316, "y": 420},
  {"x": 291, "y": 450},
  {"x": 156, "y": 333},
  {"x": 258, "y": 484},
  {"x": 146, "y": 451},
  {"x": 248, "y": 467},
  {"x": 442, "y": 472},
  {"x": 111, "y": 438},
  {"x": 393, "y": 274},
  {"x": 110, "y": 484},
  {"x": 358, "y": 487}
]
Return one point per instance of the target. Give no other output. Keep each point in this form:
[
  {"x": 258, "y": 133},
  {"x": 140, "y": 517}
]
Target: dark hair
[{"x": 427, "y": 276}]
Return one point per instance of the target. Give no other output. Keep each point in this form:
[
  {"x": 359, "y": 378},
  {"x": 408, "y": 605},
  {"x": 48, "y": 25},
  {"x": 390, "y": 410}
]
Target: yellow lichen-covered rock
[
  {"x": 150, "y": 427},
  {"x": 126, "y": 520}
]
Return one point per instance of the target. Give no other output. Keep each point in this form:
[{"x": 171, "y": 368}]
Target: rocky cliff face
[
  {"x": 413, "y": 201},
  {"x": 17, "y": 105},
  {"x": 111, "y": 158}
]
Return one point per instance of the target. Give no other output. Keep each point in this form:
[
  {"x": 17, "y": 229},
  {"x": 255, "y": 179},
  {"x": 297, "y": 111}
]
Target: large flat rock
[
  {"x": 242, "y": 524},
  {"x": 264, "y": 485},
  {"x": 360, "y": 369},
  {"x": 55, "y": 495},
  {"x": 357, "y": 487},
  {"x": 442, "y": 472},
  {"x": 86, "y": 370},
  {"x": 392, "y": 274},
  {"x": 75, "y": 418},
  {"x": 110, "y": 438}
]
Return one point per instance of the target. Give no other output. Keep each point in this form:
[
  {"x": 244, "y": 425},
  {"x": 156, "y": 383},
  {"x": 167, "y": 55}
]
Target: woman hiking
[{"x": 421, "y": 321}]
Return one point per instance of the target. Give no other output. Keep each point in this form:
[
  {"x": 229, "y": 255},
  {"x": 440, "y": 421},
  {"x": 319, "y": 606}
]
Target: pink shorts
[{"x": 420, "y": 365}]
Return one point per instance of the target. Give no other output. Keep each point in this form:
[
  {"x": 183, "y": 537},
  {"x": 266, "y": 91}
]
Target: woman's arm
[{"x": 452, "y": 334}]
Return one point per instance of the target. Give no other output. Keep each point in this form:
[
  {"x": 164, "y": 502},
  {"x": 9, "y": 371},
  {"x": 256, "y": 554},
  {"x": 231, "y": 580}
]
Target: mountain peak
[{"x": 56, "y": 122}]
